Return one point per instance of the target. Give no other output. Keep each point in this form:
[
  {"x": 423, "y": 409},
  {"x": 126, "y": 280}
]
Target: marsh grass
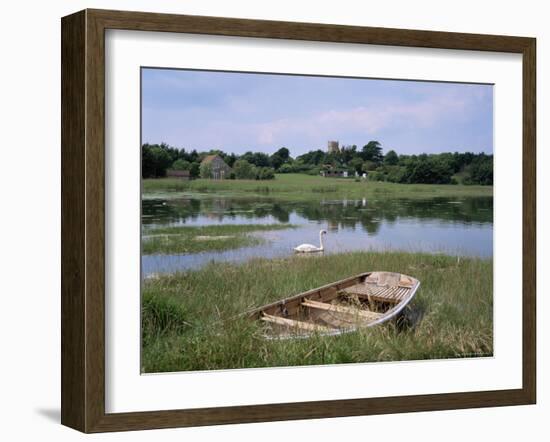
[
  {"x": 195, "y": 239},
  {"x": 189, "y": 318},
  {"x": 300, "y": 186}
]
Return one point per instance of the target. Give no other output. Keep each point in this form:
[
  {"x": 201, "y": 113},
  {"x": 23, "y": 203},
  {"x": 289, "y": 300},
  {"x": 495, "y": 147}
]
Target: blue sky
[{"x": 237, "y": 112}]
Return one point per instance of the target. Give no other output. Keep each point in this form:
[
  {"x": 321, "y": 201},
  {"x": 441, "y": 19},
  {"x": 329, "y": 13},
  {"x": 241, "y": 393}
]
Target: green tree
[
  {"x": 155, "y": 159},
  {"x": 181, "y": 165},
  {"x": 230, "y": 159},
  {"x": 372, "y": 151},
  {"x": 286, "y": 168},
  {"x": 391, "y": 158},
  {"x": 314, "y": 157},
  {"x": 347, "y": 153},
  {"x": 195, "y": 170},
  {"x": 147, "y": 162},
  {"x": 276, "y": 161},
  {"x": 429, "y": 170},
  {"x": 173, "y": 152},
  {"x": 368, "y": 166},
  {"x": 282, "y": 156},
  {"x": 396, "y": 174},
  {"x": 258, "y": 159},
  {"x": 356, "y": 164},
  {"x": 283, "y": 153},
  {"x": 192, "y": 156},
  {"x": 244, "y": 170},
  {"x": 481, "y": 170},
  {"x": 265, "y": 173}
]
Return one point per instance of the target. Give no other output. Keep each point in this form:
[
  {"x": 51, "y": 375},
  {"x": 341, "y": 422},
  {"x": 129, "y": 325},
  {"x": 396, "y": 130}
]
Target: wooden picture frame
[{"x": 83, "y": 220}]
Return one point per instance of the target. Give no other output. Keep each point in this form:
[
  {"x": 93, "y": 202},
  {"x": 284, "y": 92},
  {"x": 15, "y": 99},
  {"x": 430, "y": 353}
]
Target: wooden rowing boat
[{"x": 344, "y": 306}]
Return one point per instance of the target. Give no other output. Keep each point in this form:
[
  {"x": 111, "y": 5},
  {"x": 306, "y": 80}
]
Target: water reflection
[
  {"x": 450, "y": 225},
  {"x": 346, "y": 212}
]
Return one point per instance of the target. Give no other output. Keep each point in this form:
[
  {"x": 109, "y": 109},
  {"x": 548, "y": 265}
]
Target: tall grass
[{"x": 189, "y": 318}]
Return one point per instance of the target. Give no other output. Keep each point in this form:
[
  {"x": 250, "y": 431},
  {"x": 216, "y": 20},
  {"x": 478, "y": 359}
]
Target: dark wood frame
[{"x": 83, "y": 217}]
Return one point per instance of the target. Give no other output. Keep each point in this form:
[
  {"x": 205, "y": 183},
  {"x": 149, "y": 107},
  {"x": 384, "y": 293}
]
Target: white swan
[{"x": 309, "y": 248}]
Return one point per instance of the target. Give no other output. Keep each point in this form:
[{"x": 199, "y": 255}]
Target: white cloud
[
  {"x": 244, "y": 126},
  {"x": 369, "y": 119}
]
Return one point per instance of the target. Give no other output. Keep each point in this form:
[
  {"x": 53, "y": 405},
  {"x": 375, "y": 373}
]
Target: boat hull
[{"x": 364, "y": 300}]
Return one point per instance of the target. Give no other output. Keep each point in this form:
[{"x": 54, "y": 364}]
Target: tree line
[{"x": 441, "y": 168}]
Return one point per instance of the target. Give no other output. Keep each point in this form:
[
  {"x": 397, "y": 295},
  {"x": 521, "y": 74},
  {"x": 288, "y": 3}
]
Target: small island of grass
[{"x": 195, "y": 239}]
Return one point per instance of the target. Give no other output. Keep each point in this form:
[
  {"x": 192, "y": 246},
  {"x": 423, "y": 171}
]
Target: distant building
[
  {"x": 220, "y": 170},
  {"x": 333, "y": 146},
  {"x": 183, "y": 174},
  {"x": 332, "y": 172}
]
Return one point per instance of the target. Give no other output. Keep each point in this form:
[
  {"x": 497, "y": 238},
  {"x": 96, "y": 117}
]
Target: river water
[{"x": 457, "y": 226}]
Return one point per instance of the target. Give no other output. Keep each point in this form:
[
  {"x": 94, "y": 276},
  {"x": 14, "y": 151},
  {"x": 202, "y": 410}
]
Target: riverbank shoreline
[
  {"x": 186, "y": 326},
  {"x": 301, "y": 186}
]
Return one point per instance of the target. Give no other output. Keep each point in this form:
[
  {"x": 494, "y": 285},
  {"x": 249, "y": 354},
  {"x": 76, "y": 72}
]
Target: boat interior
[{"x": 361, "y": 301}]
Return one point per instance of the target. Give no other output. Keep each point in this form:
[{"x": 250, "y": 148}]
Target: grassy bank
[
  {"x": 186, "y": 327},
  {"x": 299, "y": 186},
  {"x": 194, "y": 239}
]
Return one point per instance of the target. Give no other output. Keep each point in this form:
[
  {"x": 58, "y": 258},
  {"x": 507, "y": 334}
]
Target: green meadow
[{"x": 301, "y": 186}]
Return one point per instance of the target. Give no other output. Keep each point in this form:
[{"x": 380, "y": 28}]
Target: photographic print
[{"x": 293, "y": 220}]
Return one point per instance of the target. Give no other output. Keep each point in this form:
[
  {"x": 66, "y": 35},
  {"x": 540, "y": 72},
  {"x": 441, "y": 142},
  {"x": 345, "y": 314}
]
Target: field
[
  {"x": 190, "y": 320},
  {"x": 301, "y": 186}
]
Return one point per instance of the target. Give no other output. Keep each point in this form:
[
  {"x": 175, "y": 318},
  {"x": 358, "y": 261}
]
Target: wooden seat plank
[
  {"x": 341, "y": 309},
  {"x": 295, "y": 324},
  {"x": 393, "y": 294}
]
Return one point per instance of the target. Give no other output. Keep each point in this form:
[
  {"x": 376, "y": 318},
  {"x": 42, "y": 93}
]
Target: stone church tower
[{"x": 333, "y": 146}]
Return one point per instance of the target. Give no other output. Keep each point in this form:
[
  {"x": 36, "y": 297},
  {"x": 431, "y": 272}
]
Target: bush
[
  {"x": 368, "y": 166},
  {"x": 429, "y": 170},
  {"x": 181, "y": 165},
  {"x": 314, "y": 171},
  {"x": 286, "y": 168},
  {"x": 376, "y": 176},
  {"x": 244, "y": 170},
  {"x": 265, "y": 173},
  {"x": 396, "y": 174}
]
